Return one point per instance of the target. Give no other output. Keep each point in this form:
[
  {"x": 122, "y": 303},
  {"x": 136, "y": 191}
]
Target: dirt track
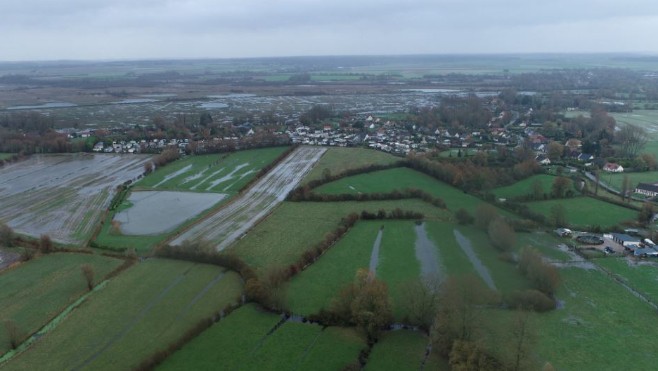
[{"x": 234, "y": 220}]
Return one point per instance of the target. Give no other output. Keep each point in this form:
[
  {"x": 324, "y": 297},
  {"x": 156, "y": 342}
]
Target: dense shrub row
[{"x": 378, "y": 196}]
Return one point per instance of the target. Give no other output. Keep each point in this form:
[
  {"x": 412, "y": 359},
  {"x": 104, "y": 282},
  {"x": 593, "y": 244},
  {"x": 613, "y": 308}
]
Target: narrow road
[{"x": 231, "y": 222}]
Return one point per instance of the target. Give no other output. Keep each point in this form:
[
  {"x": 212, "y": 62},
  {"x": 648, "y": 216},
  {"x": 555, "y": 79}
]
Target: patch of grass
[
  {"x": 451, "y": 255},
  {"x": 36, "y": 291},
  {"x": 455, "y": 152},
  {"x": 338, "y": 160},
  {"x": 4, "y": 156},
  {"x": 140, "y": 311},
  {"x": 616, "y": 180},
  {"x": 230, "y": 342},
  {"x": 399, "y": 350},
  {"x": 545, "y": 243},
  {"x": 585, "y": 211},
  {"x": 295, "y": 227},
  {"x": 524, "y": 187}
]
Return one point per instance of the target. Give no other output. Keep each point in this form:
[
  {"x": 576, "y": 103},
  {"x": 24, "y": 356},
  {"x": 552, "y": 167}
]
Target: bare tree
[
  {"x": 631, "y": 139},
  {"x": 45, "y": 244},
  {"x": 6, "y": 235},
  {"x": 14, "y": 333},
  {"x": 502, "y": 236},
  {"x": 88, "y": 275}
]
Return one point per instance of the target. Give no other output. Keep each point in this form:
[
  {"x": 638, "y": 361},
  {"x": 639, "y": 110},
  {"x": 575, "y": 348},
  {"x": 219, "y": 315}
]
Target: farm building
[
  {"x": 647, "y": 189},
  {"x": 629, "y": 242},
  {"x": 563, "y": 232},
  {"x": 612, "y": 167}
]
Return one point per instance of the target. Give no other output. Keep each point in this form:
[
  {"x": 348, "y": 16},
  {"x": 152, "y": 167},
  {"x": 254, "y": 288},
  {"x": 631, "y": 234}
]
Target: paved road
[{"x": 232, "y": 221}]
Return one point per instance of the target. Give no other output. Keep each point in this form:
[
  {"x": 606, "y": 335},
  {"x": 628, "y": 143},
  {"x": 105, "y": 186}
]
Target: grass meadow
[
  {"x": 525, "y": 186},
  {"x": 36, "y": 291},
  {"x": 135, "y": 314},
  {"x": 584, "y": 211},
  {"x": 337, "y": 160},
  {"x": 403, "y": 350}
]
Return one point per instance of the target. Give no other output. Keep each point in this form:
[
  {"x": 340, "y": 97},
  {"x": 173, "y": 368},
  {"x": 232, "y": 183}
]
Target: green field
[
  {"x": 223, "y": 173},
  {"x": 642, "y": 276},
  {"x": 135, "y": 314},
  {"x": 35, "y": 292},
  {"x": 4, "y": 156},
  {"x": 241, "y": 341},
  {"x": 401, "y": 178},
  {"x": 585, "y": 211},
  {"x": 525, "y": 187},
  {"x": 403, "y": 350},
  {"x": 545, "y": 243},
  {"x": 337, "y": 160},
  {"x": 616, "y": 180},
  {"x": 295, "y": 227}
]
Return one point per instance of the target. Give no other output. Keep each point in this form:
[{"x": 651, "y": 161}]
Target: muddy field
[
  {"x": 62, "y": 195},
  {"x": 232, "y": 221},
  {"x": 155, "y": 212}
]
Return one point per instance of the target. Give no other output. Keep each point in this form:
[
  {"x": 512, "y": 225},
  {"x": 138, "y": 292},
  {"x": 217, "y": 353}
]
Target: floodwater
[
  {"x": 427, "y": 255},
  {"x": 466, "y": 246},
  {"x": 155, "y": 212},
  {"x": 374, "y": 256},
  {"x": 45, "y": 105},
  {"x": 213, "y": 105}
]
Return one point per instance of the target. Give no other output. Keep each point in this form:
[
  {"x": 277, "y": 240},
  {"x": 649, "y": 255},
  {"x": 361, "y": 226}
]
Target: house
[
  {"x": 612, "y": 167},
  {"x": 585, "y": 157},
  {"x": 98, "y": 147},
  {"x": 543, "y": 160},
  {"x": 647, "y": 189},
  {"x": 573, "y": 144}
]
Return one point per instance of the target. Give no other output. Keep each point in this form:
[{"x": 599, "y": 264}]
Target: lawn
[
  {"x": 35, "y": 292},
  {"x": 337, "y": 160},
  {"x": 585, "y": 211},
  {"x": 137, "y": 313},
  {"x": 616, "y": 180},
  {"x": 525, "y": 187},
  {"x": 401, "y": 178},
  {"x": 403, "y": 350},
  {"x": 294, "y": 227},
  {"x": 224, "y": 173}
]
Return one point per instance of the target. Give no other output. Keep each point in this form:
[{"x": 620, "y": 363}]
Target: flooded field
[
  {"x": 227, "y": 225},
  {"x": 62, "y": 195},
  {"x": 155, "y": 212}
]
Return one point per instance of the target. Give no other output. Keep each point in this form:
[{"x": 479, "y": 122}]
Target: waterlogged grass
[
  {"x": 225, "y": 173},
  {"x": 525, "y": 187},
  {"x": 229, "y": 343},
  {"x": 584, "y": 211},
  {"x": 337, "y": 160},
  {"x": 295, "y": 227},
  {"x": 453, "y": 258},
  {"x": 593, "y": 329},
  {"x": 402, "y": 350},
  {"x": 137, "y": 313},
  {"x": 545, "y": 243},
  {"x": 642, "y": 276},
  {"x": 35, "y": 292}
]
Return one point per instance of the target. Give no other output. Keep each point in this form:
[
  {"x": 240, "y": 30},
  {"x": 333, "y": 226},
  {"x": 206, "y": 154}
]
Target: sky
[{"x": 182, "y": 29}]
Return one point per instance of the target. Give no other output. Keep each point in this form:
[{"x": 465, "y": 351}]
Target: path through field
[
  {"x": 374, "y": 256},
  {"x": 63, "y": 195},
  {"x": 466, "y": 246},
  {"x": 229, "y": 223},
  {"x": 427, "y": 255}
]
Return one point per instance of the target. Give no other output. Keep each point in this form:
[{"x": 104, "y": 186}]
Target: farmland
[
  {"x": 337, "y": 161},
  {"x": 36, "y": 291},
  {"x": 525, "y": 187},
  {"x": 403, "y": 350},
  {"x": 243, "y": 341},
  {"x": 62, "y": 196},
  {"x": 4, "y": 156},
  {"x": 227, "y": 225},
  {"x": 142, "y": 310},
  {"x": 584, "y": 211}
]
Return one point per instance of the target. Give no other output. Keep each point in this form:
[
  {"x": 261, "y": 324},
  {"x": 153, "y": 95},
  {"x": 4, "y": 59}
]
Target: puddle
[
  {"x": 374, "y": 256},
  {"x": 427, "y": 255},
  {"x": 466, "y": 246}
]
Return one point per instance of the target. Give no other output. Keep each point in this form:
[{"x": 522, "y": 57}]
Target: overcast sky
[{"x": 147, "y": 29}]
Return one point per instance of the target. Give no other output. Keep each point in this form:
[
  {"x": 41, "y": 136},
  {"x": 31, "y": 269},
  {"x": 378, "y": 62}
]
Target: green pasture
[
  {"x": 616, "y": 180},
  {"x": 454, "y": 152},
  {"x": 230, "y": 342},
  {"x": 401, "y": 178},
  {"x": 545, "y": 243},
  {"x": 585, "y": 211},
  {"x": 136, "y": 314},
  {"x": 337, "y": 160},
  {"x": 525, "y": 187},
  {"x": 4, "y": 156},
  {"x": 223, "y": 173},
  {"x": 293, "y": 346},
  {"x": 647, "y": 119},
  {"x": 294, "y": 227},
  {"x": 403, "y": 350},
  {"x": 36, "y": 291},
  {"x": 640, "y": 275}
]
